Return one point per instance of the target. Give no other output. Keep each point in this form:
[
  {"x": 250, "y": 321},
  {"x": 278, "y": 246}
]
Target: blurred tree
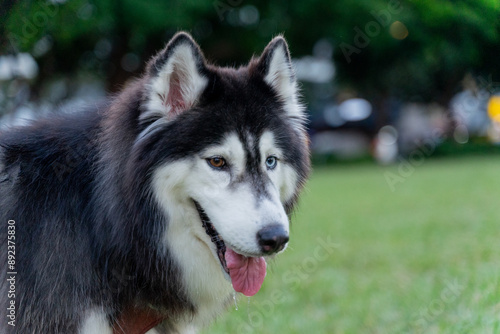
[
  {"x": 444, "y": 40},
  {"x": 412, "y": 50}
]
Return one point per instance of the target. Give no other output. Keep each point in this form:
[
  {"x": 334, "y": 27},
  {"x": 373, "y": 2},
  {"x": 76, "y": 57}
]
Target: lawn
[{"x": 422, "y": 256}]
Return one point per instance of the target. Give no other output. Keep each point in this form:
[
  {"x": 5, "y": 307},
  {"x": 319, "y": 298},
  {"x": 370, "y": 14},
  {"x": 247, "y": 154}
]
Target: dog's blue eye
[{"x": 271, "y": 162}]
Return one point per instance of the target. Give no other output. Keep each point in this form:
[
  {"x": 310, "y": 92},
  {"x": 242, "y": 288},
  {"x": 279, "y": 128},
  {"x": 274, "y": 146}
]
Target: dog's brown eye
[{"x": 216, "y": 162}]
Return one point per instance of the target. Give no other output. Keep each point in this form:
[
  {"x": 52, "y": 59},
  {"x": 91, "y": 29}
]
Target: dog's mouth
[
  {"x": 214, "y": 236},
  {"x": 247, "y": 273}
]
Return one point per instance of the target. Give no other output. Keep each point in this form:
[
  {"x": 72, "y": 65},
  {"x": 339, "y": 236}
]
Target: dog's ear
[
  {"x": 177, "y": 78},
  {"x": 276, "y": 67}
]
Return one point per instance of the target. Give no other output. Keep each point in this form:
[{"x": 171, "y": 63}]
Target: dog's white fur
[
  {"x": 96, "y": 323},
  {"x": 188, "y": 242}
]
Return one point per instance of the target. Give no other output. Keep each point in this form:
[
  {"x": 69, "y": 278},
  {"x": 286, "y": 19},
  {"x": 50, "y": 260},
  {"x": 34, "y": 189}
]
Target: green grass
[{"x": 424, "y": 258}]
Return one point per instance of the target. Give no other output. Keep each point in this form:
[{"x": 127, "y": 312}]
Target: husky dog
[{"x": 147, "y": 212}]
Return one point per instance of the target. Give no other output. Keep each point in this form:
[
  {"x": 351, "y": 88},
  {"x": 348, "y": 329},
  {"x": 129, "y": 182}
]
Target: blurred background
[
  {"x": 380, "y": 77},
  {"x": 403, "y": 100}
]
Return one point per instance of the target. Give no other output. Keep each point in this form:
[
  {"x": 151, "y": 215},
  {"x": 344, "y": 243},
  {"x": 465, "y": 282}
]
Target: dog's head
[{"x": 230, "y": 147}]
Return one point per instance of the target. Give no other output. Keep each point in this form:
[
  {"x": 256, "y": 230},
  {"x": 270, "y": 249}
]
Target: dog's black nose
[{"x": 272, "y": 238}]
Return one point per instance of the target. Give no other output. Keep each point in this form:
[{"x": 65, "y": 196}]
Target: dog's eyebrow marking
[
  {"x": 253, "y": 173},
  {"x": 267, "y": 145},
  {"x": 250, "y": 141}
]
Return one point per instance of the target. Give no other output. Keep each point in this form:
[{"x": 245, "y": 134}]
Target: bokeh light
[
  {"x": 494, "y": 108},
  {"x": 398, "y": 30}
]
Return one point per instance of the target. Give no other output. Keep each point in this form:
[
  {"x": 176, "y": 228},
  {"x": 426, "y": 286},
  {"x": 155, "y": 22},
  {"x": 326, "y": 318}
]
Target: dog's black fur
[{"x": 87, "y": 230}]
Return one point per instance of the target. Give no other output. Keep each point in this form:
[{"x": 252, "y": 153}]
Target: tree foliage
[{"x": 445, "y": 39}]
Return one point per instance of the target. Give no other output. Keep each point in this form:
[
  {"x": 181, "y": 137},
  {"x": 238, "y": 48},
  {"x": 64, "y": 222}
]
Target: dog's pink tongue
[{"x": 247, "y": 273}]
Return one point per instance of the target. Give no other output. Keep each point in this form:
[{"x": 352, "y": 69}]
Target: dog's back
[{"x": 45, "y": 188}]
